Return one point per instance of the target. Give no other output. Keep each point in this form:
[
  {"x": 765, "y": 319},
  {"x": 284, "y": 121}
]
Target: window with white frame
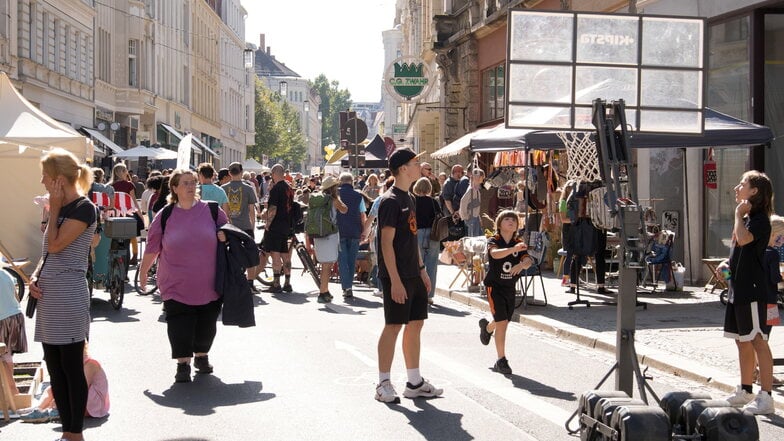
[{"x": 133, "y": 63}]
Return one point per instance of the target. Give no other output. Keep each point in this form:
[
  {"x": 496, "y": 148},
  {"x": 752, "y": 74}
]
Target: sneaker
[
  {"x": 385, "y": 393},
  {"x": 287, "y": 287},
  {"x": 274, "y": 289},
  {"x": 603, "y": 290},
  {"x": 502, "y": 366},
  {"x": 570, "y": 290},
  {"x": 377, "y": 293},
  {"x": 324, "y": 297},
  {"x": 565, "y": 281},
  {"x": 202, "y": 364},
  {"x": 484, "y": 334},
  {"x": 424, "y": 389},
  {"x": 54, "y": 415},
  {"x": 430, "y": 301},
  {"x": 347, "y": 293},
  {"x": 183, "y": 373},
  {"x": 762, "y": 404},
  {"x": 36, "y": 416},
  {"x": 740, "y": 397}
]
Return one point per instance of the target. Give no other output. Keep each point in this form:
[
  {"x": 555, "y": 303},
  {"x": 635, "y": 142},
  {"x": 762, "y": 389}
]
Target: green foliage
[
  {"x": 333, "y": 101},
  {"x": 278, "y": 132}
]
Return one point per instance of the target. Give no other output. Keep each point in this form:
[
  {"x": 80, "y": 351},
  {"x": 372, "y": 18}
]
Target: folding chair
[{"x": 537, "y": 248}]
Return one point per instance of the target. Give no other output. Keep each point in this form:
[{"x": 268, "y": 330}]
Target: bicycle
[
  {"x": 120, "y": 230},
  {"x": 14, "y": 268},
  {"x": 307, "y": 262},
  {"x": 152, "y": 280}
]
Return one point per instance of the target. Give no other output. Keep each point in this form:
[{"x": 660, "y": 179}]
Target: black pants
[
  {"x": 599, "y": 260},
  {"x": 65, "y": 364},
  {"x": 191, "y": 328}
]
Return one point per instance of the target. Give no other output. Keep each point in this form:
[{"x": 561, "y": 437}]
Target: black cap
[{"x": 401, "y": 157}]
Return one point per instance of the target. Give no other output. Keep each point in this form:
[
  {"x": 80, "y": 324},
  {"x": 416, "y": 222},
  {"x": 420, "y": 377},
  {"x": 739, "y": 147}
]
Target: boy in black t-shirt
[{"x": 508, "y": 259}]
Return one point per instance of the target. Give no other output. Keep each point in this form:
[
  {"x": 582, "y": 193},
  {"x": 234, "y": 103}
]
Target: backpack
[
  {"x": 297, "y": 218},
  {"x": 319, "y": 220},
  {"x": 167, "y": 211}
]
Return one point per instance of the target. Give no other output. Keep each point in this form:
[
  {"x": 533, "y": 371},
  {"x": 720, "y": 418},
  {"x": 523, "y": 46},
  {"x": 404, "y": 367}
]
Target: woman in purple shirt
[{"x": 186, "y": 256}]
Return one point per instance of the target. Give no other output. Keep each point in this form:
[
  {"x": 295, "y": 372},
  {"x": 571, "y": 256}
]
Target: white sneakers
[
  {"x": 740, "y": 397},
  {"x": 385, "y": 392},
  {"x": 424, "y": 390},
  {"x": 760, "y": 404}
]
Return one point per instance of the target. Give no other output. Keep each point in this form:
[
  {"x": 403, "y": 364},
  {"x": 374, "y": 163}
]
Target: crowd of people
[{"x": 390, "y": 214}]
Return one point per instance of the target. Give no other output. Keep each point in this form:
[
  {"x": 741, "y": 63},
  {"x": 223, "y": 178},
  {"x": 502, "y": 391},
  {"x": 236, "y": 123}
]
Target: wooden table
[{"x": 714, "y": 282}]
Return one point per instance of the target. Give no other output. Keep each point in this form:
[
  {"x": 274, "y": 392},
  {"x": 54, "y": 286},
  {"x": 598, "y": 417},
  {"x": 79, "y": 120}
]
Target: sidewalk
[{"x": 679, "y": 332}]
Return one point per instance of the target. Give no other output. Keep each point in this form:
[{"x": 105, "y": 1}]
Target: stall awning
[
  {"x": 198, "y": 142},
  {"x": 179, "y": 136},
  {"x": 720, "y": 130},
  {"x": 455, "y": 147},
  {"x": 98, "y": 136}
]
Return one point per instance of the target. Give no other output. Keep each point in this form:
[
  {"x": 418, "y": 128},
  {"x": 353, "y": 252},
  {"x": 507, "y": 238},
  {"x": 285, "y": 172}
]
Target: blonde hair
[
  {"x": 118, "y": 168},
  {"x": 174, "y": 181},
  {"x": 423, "y": 187},
  {"x": 60, "y": 162}
]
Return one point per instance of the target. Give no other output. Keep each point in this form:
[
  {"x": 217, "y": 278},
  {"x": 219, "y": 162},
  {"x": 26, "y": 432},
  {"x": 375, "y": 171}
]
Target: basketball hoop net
[{"x": 583, "y": 159}]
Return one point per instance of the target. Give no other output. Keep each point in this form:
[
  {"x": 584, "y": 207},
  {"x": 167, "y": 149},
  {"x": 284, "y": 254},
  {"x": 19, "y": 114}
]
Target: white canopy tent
[
  {"x": 146, "y": 152},
  {"x": 253, "y": 165},
  {"x": 25, "y": 134}
]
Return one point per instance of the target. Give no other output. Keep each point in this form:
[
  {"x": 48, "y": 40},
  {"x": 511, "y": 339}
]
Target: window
[
  {"x": 104, "y": 55},
  {"x": 133, "y": 63},
  {"x": 493, "y": 93}
]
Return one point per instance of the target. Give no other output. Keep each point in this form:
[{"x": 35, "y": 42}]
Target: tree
[
  {"x": 278, "y": 132},
  {"x": 333, "y": 101}
]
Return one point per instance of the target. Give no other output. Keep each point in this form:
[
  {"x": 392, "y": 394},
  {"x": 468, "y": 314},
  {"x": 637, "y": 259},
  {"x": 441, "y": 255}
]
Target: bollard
[
  {"x": 641, "y": 423},
  {"x": 692, "y": 409},
  {"x": 727, "y": 424},
  {"x": 671, "y": 405}
]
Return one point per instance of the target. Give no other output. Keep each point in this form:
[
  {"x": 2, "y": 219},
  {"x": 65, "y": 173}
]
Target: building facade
[{"x": 468, "y": 43}]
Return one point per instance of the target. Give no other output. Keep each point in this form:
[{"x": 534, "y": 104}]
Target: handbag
[
  {"x": 440, "y": 229},
  {"x": 457, "y": 229}
]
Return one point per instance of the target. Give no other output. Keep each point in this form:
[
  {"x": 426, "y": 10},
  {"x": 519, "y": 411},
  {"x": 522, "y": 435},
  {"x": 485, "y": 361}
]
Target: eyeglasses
[{"x": 188, "y": 183}]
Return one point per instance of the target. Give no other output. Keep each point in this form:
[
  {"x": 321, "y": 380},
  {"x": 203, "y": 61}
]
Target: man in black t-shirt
[
  {"x": 404, "y": 281},
  {"x": 277, "y": 229}
]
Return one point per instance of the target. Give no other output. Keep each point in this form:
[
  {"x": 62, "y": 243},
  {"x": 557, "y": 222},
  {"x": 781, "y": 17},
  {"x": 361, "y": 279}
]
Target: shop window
[{"x": 493, "y": 93}]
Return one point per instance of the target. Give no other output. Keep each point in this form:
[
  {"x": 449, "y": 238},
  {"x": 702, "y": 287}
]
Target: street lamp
[{"x": 283, "y": 89}]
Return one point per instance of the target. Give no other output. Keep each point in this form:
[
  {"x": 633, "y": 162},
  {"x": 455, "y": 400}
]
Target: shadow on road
[
  {"x": 359, "y": 302},
  {"x": 340, "y": 309},
  {"x": 90, "y": 423},
  {"x": 537, "y": 388},
  {"x": 773, "y": 420},
  {"x": 444, "y": 310},
  {"x": 101, "y": 310},
  {"x": 208, "y": 392},
  {"x": 434, "y": 423},
  {"x": 293, "y": 298}
]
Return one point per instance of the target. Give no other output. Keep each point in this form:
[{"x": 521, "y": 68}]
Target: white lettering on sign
[
  {"x": 613, "y": 40},
  {"x": 404, "y": 81}
]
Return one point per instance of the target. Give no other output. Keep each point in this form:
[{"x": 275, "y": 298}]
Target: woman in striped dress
[{"x": 59, "y": 284}]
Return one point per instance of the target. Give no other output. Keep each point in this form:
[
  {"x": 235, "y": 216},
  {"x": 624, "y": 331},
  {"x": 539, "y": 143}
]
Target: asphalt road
[{"x": 308, "y": 371}]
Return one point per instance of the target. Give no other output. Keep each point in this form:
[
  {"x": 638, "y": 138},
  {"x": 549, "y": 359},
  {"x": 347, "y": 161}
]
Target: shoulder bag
[{"x": 440, "y": 229}]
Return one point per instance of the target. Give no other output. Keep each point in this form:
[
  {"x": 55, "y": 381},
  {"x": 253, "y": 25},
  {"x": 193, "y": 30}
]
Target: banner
[{"x": 184, "y": 152}]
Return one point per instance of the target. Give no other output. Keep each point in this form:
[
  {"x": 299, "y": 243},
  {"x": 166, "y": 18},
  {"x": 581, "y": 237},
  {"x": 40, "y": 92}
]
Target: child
[
  {"x": 771, "y": 265},
  {"x": 508, "y": 259}
]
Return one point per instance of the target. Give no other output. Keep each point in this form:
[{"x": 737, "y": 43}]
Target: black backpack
[
  {"x": 297, "y": 218},
  {"x": 167, "y": 211}
]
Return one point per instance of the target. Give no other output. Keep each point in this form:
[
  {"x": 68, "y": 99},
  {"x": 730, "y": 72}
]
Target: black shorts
[
  {"x": 273, "y": 242},
  {"x": 502, "y": 302},
  {"x": 744, "y": 321},
  {"x": 415, "y": 307}
]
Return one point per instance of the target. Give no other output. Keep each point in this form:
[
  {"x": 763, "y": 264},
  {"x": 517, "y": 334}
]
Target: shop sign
[
  {"x": 709, "y": 173},
  {"x": 408, "y": 78},
  {"x": 104, "y": 114}
]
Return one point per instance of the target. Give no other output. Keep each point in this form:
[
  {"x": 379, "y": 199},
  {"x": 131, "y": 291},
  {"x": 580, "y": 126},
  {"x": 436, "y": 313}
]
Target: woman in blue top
[{"x": 745, "y": 319}]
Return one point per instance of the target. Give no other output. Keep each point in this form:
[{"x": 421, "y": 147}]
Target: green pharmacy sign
[{"x": 408, "y": 78}]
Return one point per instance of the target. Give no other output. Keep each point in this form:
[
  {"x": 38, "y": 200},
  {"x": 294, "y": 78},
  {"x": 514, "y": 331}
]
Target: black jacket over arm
[{"x": 238, "y": 253}]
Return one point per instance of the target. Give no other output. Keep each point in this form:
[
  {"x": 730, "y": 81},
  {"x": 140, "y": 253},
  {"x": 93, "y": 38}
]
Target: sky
[{"x": 339, "y": 38}]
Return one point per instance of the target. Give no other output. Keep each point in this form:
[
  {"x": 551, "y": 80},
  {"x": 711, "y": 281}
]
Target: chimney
[
  {"x": 261, "y": 41},
  {"x": 269, "y": 51}
]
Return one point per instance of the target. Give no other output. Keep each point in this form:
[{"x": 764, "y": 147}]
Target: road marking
[
  {"x": 499, "y": 387},
  {"x": 355, "y": 352}
]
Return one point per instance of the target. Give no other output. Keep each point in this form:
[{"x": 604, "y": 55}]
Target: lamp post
[{"x": 308, "y": 147}]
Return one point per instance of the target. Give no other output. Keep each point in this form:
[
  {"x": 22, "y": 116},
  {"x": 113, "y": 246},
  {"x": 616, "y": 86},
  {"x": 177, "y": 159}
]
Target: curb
[{"x": 650, "y": 357}]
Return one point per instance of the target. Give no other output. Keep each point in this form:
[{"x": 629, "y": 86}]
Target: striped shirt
[{"x": 63, "y": 315}]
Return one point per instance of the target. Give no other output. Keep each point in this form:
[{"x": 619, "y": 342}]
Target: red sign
[
  {"x": 709, "y": 173},
  {"x": 389, "y": 145}
]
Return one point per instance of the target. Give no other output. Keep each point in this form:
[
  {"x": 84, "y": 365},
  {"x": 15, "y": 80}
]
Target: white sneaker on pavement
[
  {"x": 425, "y": 390},
  {"x": 385, "y": 393},
  {"x": 740, "y": 397},
  {"x": 762, "y": 404}
]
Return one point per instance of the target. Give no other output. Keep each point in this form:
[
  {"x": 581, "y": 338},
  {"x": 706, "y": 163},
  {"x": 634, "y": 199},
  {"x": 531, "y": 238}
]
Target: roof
[{"x": 266, "y": 65}]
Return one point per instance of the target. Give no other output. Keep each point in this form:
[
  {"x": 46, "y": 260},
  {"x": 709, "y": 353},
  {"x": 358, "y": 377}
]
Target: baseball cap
[{"x": 401, "y": 157}]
